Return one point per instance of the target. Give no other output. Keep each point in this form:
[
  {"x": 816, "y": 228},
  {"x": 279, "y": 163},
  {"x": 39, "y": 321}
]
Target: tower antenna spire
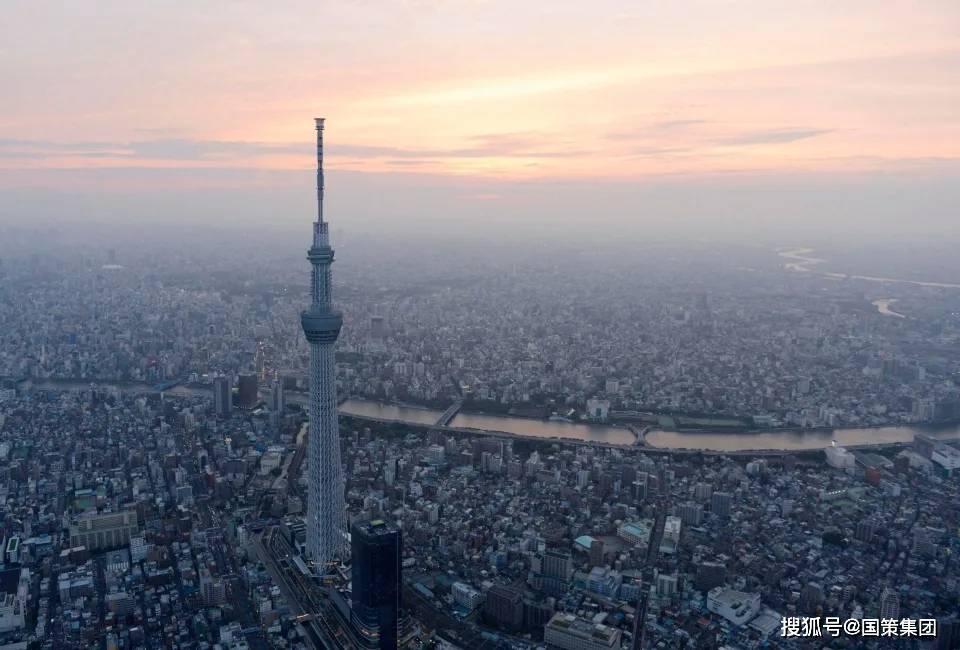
[{"x": 319, "y": 122}]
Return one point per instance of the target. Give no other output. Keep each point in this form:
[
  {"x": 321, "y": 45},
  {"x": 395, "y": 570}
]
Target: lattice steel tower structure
[{"x": 326, "y": 512}]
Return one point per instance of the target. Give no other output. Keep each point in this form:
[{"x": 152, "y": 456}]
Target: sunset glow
[{"x": 598, "y": 90}]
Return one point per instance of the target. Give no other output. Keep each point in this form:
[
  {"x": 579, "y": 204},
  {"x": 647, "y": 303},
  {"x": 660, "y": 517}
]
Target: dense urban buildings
[
  {"x": 644, "y": 332},
  {"x": 175, "y": 473},
  {"x": 213, "y": 509},
  {"x": 673, "y": 342}
]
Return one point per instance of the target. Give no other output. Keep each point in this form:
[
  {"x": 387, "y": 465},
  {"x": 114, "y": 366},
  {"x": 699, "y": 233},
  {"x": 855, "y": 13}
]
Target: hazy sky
[{"x": 496, "y": 103}]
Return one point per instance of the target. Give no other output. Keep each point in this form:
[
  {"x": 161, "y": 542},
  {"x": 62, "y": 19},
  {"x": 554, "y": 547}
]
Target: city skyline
[{"x": 644, "y": 332}]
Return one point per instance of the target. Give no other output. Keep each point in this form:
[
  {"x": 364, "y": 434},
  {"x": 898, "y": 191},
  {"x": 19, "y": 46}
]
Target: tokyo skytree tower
[{"x": 326, "y": 512}]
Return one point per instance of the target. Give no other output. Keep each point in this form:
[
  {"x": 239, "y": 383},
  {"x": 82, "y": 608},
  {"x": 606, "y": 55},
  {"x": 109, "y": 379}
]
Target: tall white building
[
  {"x": 139, "y": 549},
  {"x": 671, "y": 535},
  {"x": 598, "y": 409},
  {"x": 738, "y": 607},
  {"x": 840, "y": 458},
  {"x": 14, "y": 588},
  {"x": 466, "y": 596},
  {"x": 667, "y": 584},
  {"x": 889, "y": 603},
  {"x": 437, "y": 454}
]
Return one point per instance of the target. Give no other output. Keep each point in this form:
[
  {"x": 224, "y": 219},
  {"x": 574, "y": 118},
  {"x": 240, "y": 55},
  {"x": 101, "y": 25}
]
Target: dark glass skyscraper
[
  {"x": 247, "y": 391},
  {"x": 376, "y": 574},
  {"x": 222, "y": 396}
]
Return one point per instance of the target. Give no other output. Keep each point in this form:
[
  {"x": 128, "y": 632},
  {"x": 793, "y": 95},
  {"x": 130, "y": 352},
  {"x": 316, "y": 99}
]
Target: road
[
  {"x": 323, "y": 628},
  {"x": 228, "y": 569},
  {"x": 646, "y": 582}
]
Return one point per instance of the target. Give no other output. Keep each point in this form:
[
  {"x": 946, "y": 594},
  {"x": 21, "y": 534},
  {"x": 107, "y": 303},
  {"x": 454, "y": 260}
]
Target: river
[
  {"x": 545, "y": 428},
  {"x": 883, "y": 306},
  {"x": 505, "y": 424},
  {"x": 800, "y": 260},
  {"x": 383, "y": 411},
  {"x": 795, "y": 440},
  {"x": 723, "y": 441}
]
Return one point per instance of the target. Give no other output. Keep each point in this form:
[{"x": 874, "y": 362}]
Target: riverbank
[
  {"x": 812, "y": 452},
  {"x": 797, "y": 440},
  {"x": 777, "y": 441}
]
